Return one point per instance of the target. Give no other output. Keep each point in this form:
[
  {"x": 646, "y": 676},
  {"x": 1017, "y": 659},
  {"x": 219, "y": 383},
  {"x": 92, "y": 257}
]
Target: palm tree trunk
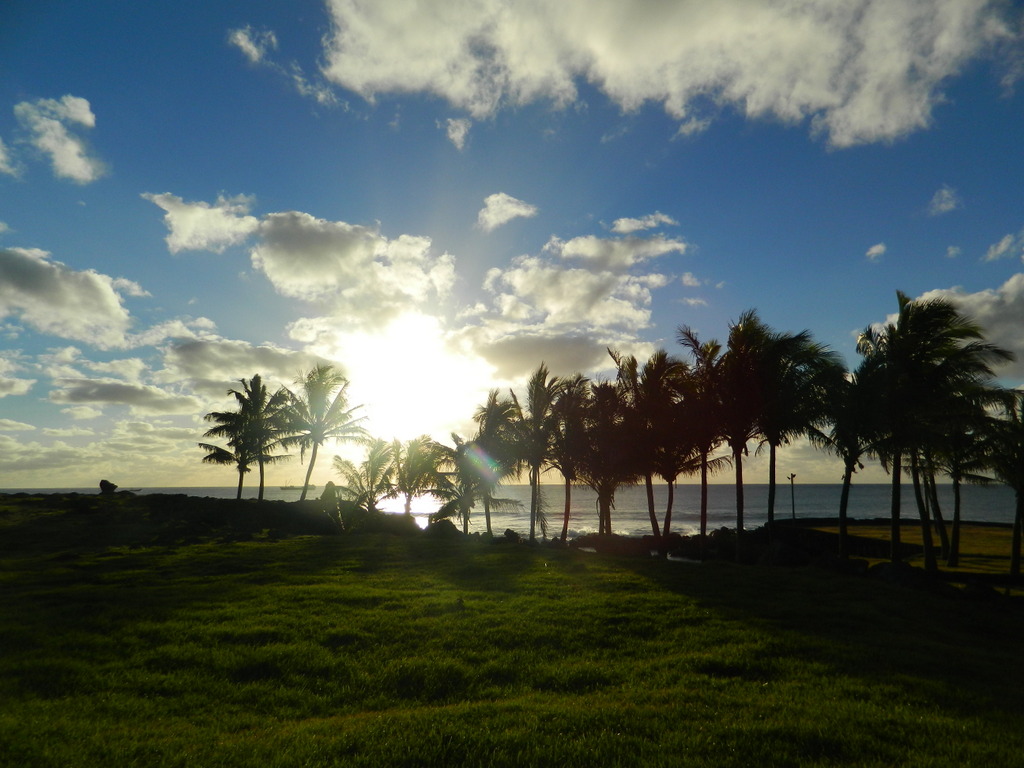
[
  {"x": 649, "y": 483},
  {"x": 940, "y": 523},
  {"x": 408, "y": 504},
  {"x": 534, "y": 481},
  {"x": 737, "y": 456},
  {"x": 844, "y": 501},
  {"x": 260, "y": 495},
  {"x": 241, "y": 476},
  {"x": 1018, "y": 523},
  {"x": 953, "y": 560},
  {"x": 604, "y": 507},
  {"x": 565, "y": 514},
  {"x": 668, "y": 507},
  {"x": 922, "y": 511},
  {"x": 771, "y": 489},
  {"x": 703, "y": 501},
  {"x": 894, "y": 512},
  {"x": 487, "y": 512},
  {"x": 309, "y": 471}
]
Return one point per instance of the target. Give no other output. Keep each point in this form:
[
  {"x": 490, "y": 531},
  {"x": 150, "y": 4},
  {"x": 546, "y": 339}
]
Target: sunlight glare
[{"x": 410, "y": 382}]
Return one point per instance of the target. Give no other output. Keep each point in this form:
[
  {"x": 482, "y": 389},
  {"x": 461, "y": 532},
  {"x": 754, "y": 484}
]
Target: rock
[
  {"x": 444, "y": 529},
  {"x": 107, "y": 487}
]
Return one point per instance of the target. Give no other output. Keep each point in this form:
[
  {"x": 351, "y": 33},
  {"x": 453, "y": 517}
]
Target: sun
[{"x": 410, "y": 382}]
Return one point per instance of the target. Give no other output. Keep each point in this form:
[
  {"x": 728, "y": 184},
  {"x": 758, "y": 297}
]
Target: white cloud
[
  {"x": 9, "y": 425},
  {"x": 82, "y": 412},
  {"x": 47, "y": 121},
  {"x": 615, "y": 253},
  {"x": 367, "y": 278},
  {"x": 6, "y": 162},
  {"x": 13, "y": 386},
  {"x": 54, "y": 299},
  {"x": 695, "y": 302},
  {"x": 944, "y": 200},
  {"x": 1006, "y": 247},
  {"x": 458, "y": 130},
  {"x": 656, "y": 219},
  {"x": 875, "y": 252},
  {"x": 204, "y": 227},
  {"x": 68, "y": 432},
  {"x": 255, "y": 44},
  {"x": 500, "y": 208},
  {"x": 692, "y": 127},
  {"x": 353, "y": 269},
  {"x": 1000, "y": 312},
  {"x": 537, "y": 291},
  {"x": 860, "y": 71},
  {"x": 4, "y": 227},
  {"x": 952, "y": 251},
  {"x": 690, "y": 280},
  {"x": 130, "y": 369}
]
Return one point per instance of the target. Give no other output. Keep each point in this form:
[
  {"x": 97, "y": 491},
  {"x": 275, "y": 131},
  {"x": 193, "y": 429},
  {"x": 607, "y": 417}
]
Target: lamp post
[{"x": 792, "y": 494}]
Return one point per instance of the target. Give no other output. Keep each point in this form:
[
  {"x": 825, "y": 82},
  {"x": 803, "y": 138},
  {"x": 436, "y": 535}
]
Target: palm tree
[
  {"x": 535, "y": 426},
  {"x": 568, "y": 449},
  {"x": 930, "y": 353},
  {"x": 1006, "y": 458},
  {"x": 676, "y": 454},
  {"x": 741, "y": 395},
  {"x": 851, "y": 432},
  {"x": 607, "y": 462},
  {"x": 703, "y": 409},
  {"x": 796, "y": 375},
  {"x": 369, "y": 482},
  {"x": 319, "y": 412},
  {"x": 257, "y": 429},
  {"x": 415, "y": 468},
  {"x": 237, "y": 456},
  {"x": 460, "y": 486},
  {"x": 650, "y": 393},
  {"x": 496, "y": 437}
]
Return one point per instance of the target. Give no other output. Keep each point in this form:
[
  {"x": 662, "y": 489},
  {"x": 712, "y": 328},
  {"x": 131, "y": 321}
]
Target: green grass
[{"x": 375, "y": 649}]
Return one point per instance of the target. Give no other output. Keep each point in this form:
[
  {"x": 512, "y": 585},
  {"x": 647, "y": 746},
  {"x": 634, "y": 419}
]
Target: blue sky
[{"x": 437, "y": 196}]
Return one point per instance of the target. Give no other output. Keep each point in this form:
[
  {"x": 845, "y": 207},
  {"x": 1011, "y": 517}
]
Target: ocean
[{"x": 630, "y": 516}]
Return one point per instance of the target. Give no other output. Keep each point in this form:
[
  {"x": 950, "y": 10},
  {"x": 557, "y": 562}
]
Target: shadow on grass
[{"x": 955, "y": 652}]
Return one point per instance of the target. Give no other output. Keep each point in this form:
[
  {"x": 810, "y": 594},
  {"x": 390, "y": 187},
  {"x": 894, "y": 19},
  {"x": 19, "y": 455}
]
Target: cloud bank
[{"x": 858, "y": 71}]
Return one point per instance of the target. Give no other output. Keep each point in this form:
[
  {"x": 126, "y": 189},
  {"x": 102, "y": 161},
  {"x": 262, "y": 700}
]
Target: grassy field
[{"x": 125, "y": 645}]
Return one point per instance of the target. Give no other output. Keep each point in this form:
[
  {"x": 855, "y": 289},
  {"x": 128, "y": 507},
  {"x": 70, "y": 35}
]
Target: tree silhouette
[
  {"x": 237, "y": 456},
  {"x": 535, "y": 427},
  {"x": 851, "y": 433},
  {"x": 930, "y": 353},
  {"x": 607, "y": 462},
  {"x": 1005, "y": 444},
  {"x": 460, "y": 487},
  {"x": 415, "y": 468},
  {"x": 569, "y": 444},
  {"x": 367, "y": 483},
  {"x": 796, "y": 376},
  {"x": 741, "y": 396},
  {"x": 650, "y": 393},
  {"x": 257, "y": 429},
  {"x": 496, "y": 439},
  {"x": 319, "y": 411},
  {"x": 703, "y": 411}
]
